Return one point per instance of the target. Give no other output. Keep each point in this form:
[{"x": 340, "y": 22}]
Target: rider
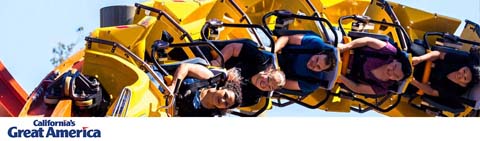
[
  {"x": 195, "y": 100},
  {"x": 256, "y": 69},
  {"x": 452, "y": 75},
  {"x": 304, "y": 65},
  {"x": 376, "y": 74}
]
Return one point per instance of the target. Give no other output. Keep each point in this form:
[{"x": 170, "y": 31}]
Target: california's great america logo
[{"x": 54, "y": 129}]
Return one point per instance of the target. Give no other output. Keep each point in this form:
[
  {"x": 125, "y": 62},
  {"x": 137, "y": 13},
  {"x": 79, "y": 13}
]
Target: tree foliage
[{"x": 63, "y": 50}]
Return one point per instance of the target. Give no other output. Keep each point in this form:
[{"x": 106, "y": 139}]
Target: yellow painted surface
[
  {"x": 145, "y": 99},
  {"x": 192, "y": 14}
]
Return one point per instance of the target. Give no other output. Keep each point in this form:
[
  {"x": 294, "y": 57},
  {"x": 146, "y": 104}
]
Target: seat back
[
  {"x": 444, "y": 104},
  {"x": 473, "y": 95}
]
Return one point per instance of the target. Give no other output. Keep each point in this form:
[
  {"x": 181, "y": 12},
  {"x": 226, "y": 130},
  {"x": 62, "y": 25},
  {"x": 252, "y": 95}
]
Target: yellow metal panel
[
  {"x": 63, "y": 109},
  {"x": 131, "y": 36},
  {"x": 200, "y": 13},
  {"x": 470, "y": 32},
  {"x": 256, "y": 10},
  {"x": 225, "y": 11},
  {"x": 190, "y": 14},
  {"x": 337, "y": 106},
  {"x": 181, "y": 9},
  {"x": 63, "y": 67},
  {"x": 315, "y": 97},
  {"x": 258, "y": 106},
  {"x": 144, "y": 99},
  {"x": 334, "y": 9},
  {"x": 404, "y": 109},
  {"x": 416, "y": 22},
  {"x": 141, "y": 14},
  {"x": 378, "y": 13}
]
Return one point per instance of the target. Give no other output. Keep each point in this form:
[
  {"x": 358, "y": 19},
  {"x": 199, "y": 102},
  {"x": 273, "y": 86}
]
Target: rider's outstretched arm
[
  {"x": 362, "y": 42},
  {"x": 191, "y": 70}
]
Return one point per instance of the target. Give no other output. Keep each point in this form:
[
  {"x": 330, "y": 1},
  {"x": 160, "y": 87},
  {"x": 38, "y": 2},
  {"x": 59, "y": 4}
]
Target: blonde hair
[
  {"x": 281, "y": 76},
  {"x": 233, "y": 75}
]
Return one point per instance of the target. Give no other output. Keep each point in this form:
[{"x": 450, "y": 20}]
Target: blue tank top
[{"x": 296, "y": 64}]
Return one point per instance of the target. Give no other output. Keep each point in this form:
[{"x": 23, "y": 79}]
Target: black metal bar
[
  {"x": 276, "y": 13},
  {"x": 256, "y": 113},
  {"x": 201, "y": 44},
  {"x": 172, "y": 21},
  {"x": 264, "y": 21},
  {"x": 245, "y": 16},
  {"x": 100, "y": 41},
  {"x": 363, "y": 110},
  {"x": 358, "y": 18},
  {"x": 203, "y": 30},
  {"x": 389, "y": 10},
  {"x": 114, "y": 46},
  {"x": 476, "y": 28},
  {"x": 469, "y": 42},
  {"x": 299, "y": 102},
  {"x": 136, "y": 58},
  {"x": 317, "y": 17},
  {"x": 280, "y": 104},
  {"x": 323, "y": 28},
  {"x": 252, "y": 26},
  {"x": 340, "y": 20},
  {"x": 155, "y": 62},
  {"x": 402, "y": 36},
  {"x": 372, "y": 105},
  {"x": 427, "y": 45},
  {"x": 315, "y": 11},
  {"x": 169, "y": 18},
  {"x": 207, "y": 25},
  {"x": 445, "y": 35},
  {"x": 425, "y": 108}
]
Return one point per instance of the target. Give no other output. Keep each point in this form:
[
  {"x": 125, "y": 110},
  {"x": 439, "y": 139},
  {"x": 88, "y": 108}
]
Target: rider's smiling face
[{"x": 318, "y": 63}]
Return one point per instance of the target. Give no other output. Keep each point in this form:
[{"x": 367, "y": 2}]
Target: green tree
[{"x": 62, "y": 51}]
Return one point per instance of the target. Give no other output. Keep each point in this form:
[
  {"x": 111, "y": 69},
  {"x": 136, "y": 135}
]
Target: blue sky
[{"x": 29, "y": 31}]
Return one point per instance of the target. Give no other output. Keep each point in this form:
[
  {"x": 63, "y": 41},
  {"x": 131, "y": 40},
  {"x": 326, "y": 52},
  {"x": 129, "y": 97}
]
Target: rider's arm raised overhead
[
  {"x": 284, "y": 40},
  {"x": 425, "y": 88},
  {"x": 362, "y": 42},
  {"x": 229, "y": 51},
  {"x": 191, "y": 70},
  {"x": 356, "y": 87},
  {"x": 431, "y": 56}
]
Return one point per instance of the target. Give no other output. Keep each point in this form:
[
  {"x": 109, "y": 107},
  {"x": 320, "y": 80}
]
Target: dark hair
[
  {"x": 271, "y": 70},
  {"x": 475, "y": 76},
  {"x": 330, "y": 60},
  {"x": 236, "y": 88},
  {"x": 233, "y": 83},
  {"x": 406, "y": 65}
]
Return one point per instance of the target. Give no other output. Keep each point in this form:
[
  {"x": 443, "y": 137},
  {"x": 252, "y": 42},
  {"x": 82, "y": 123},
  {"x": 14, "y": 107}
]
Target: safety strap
[{"x": 215, "y": 81}]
